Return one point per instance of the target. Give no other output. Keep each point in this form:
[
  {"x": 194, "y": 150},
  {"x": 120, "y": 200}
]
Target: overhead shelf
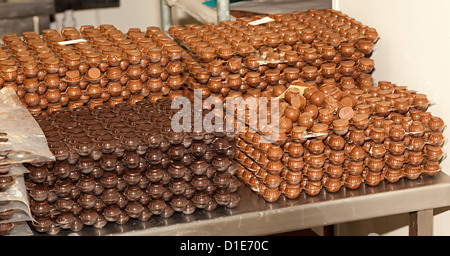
[{"x": 205, "y": 14}]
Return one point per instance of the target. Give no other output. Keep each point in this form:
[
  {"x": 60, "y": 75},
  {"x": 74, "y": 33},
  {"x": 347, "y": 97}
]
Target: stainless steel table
[{"x": 254, "y": 216}]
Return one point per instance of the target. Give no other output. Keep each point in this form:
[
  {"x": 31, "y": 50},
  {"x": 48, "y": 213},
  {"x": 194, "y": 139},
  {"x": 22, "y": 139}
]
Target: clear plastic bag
[
  {"x": 21, "y": 138},
  {"x": 18, "y": 216},
  {"x": 15, "y": 170},
  {"x": 15, "y": 211},
  {"x": 21, "y": 229},
  {"x": 17, "y": 192}
]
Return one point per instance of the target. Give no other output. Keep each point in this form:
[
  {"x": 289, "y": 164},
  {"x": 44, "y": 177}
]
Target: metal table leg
[
  {"x": 223, "y": 10},
  {"x": 421, "y": 223},
  {"x": 166, "y": 16}
]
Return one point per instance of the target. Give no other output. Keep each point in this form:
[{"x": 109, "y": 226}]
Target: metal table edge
[{"x": 290, "y": 218}]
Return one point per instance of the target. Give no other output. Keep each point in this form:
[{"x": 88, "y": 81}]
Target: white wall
[{"x": 413, "y": 50}]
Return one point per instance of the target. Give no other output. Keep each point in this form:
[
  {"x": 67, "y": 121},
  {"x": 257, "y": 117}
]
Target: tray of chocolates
[
  {"x": 90, "y": 67},
  {"x": 343, "y": 138},
  {"x": 126, "y": 162},
  {"x": 317, "y": 46}
]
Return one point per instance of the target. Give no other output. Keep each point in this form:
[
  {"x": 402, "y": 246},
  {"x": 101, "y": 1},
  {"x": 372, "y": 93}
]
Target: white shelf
[{"x": 205, "y": 14}]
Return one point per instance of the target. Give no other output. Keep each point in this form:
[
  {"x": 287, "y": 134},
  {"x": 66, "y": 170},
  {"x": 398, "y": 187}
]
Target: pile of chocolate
[
  {"x": 317, "y": 47},
  {"x": 107, "y": 118},
  {"x": 337, "y": 127},
  {"x": 390, "y": 135},
  {"x": 126, "y": 162},
  {"x": 90, "y": 67}
]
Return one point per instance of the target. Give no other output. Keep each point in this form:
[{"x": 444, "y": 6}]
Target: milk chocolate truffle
[
  {"x": 85, "y": 164},
  {"x": 271, "y": 195},
  {"x": 88, "y": 217},
  {"x": 42, "y": 224},
  {"x": 87, "y": 201},
  {"x": 221, "y": 145},
  {"x": 176, "y": 152},
  {"x": 132, "y": 176},
  {"x": 157, "y": 206},
  {"x": 154, "y": 173},
  {"x": 274, "y": 153},
  {"x": 177, "y": 169},
  {"x": 86, "y": 183},
  {"x": 37, "y": 174},
  {"x": 130, "y": 141},
  {"x": 178, "y": 186},
  {"x": 198, "y": 148},
  {"x": 61, "y": 169},
  {"x": 39, "y": 192},
  {"x": 155, "y": 190},
  {"x": 132, "y": 193},
  {"x": 108, "y": 162},
  {"x": 131, "y": 159},
  {"x": 39, "y": 209},
  {"x": 201, "y": 199},
  {"x": 221, "y": 163},
  {"x": 200, "y": 182},
  {"x": 63, "y": 187},
  {"x": 110, "y": 196},
  {"x": 109, "y": 180},
  {"x": 63, "y": 204}
]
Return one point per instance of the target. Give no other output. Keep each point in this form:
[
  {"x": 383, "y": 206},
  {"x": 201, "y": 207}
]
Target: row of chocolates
[
  {"x": 241, "y": 57},
  {"x": 328, "y": 137},
  {"x": 108, "y": 66},
  {"x": 126, "y": 162}
]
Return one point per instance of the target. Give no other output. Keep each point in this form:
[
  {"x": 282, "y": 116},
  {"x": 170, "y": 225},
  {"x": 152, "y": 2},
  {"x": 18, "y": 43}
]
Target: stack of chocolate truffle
[
  {"x": 90, "y": 67},
  {"x": 387, "y": 135},
  {"x": 317, "y": 46},
  {"x": 126, "y": 162},
  {"x": 331, "y": 112},
  {"x": 107, "y": 118}
]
